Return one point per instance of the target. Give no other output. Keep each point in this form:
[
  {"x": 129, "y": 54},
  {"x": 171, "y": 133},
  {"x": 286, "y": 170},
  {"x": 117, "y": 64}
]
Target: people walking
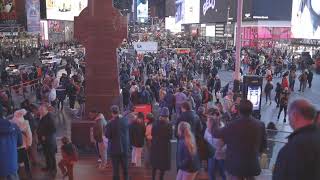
[
  {"x": 137, "y": 135},
  {"x": 303, "y": 78},
  {"x": 310, "y": 78},
  {"x": 284, "y": 100},
  {"x": 267, "y": 90},
  {"x": 161, "y": 145},
  {"x": 188, "y": 162},
  {"x": 47, "y": 138}
]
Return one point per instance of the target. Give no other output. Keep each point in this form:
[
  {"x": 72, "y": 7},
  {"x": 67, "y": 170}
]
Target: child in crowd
[{"x": 69, "y": 158}]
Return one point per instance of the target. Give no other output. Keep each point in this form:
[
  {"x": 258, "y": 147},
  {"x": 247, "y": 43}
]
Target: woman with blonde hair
[{"x": 188, "y": 162}]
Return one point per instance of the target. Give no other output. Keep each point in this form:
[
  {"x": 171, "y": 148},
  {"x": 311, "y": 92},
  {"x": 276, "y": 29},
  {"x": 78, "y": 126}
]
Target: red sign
[
  {"x": 144, "y": 108},
  {"x": 182, "y": 50}
]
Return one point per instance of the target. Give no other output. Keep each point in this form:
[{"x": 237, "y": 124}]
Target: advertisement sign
[
  {"x": 187, "y": 11},
  {"x": 144, "y": 108},
  {"x": 56, "y": 26},
  {"x": 211, "y": 31},
  {"x": 272, "y": 10},
  {"x": 33, "y": 15},
  {"x": 170, "y": 24},
  {"x": 145, "y": 47},
  {"x": 213, "y": 11},
  {"x": 142, "y": 10},
  {"x": 65, "y": 9},
  {"x": 182, "y": 50},
  {"x": 254, "y": 95},
  {"x": 170, "y": 8},
  {"x": 8, "y": 10},
  {"x": 305, "y": 22}
]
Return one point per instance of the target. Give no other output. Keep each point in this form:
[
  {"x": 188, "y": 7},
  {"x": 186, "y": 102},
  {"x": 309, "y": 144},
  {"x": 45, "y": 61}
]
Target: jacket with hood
[
  {"x": 10, "y": 139},
  {"x": 24, "y": 128}
]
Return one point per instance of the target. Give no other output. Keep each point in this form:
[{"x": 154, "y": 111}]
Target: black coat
[
  {"x": 137, "y": 134},
  {"x": 245, "y": 139},
  {"x": 47, "y": 129},
  {"x": 193, "y": 119},
  {"x": 117, "y": 131},
  {"x": 300, "y": 157},
  {"x": 161, "y": 145}
]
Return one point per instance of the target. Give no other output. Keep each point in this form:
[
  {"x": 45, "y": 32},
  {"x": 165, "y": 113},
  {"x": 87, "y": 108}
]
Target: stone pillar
[{"x": 101, "y": 29}]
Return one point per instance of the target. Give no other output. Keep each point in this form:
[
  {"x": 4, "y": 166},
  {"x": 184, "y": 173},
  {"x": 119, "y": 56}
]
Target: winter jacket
[
  {"x": 25, "y": 130},
  {"x": 137, "y": 133},
  {"x": 10, "y": 139}
]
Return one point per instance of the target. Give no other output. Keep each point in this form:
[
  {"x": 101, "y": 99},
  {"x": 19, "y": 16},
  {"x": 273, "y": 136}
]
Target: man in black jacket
[
  {"x": 47, "y": 138},
  {"x": 300, "y": 157},
  {"x": 245, "y": 139},
  {"x": 117, "y": 132}
]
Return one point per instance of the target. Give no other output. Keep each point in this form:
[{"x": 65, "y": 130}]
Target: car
[{"x": 51, "y": 59}]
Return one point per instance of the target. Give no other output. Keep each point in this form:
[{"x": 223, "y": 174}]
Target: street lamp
[{"x": 236, "y": 85}]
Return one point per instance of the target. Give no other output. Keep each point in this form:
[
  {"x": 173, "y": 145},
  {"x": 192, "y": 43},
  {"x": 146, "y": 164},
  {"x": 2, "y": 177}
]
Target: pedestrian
[
  {"x": 69, "y": 158},
  {"x": 285, "y": 81},
  {"x": 245, "y": 139},
  {"x": 217, "y": 160},
  {"x": 217, "y": 86},
  {"x": 284, "y": 100},
  {"x": 117, "y": 131},
  {"x": 267, "y": 90},
  {"x": 100, "y": 140},
  {"x": 278, "y": 94},
  {"x": 137, "y": 135},
  {"x": 47, "y": 138},
  {"x": 23, "y": 157},
  {"x": 148, "y": 135},
  {"x": 10, "y": 139},
  {"x": 180, "y": 98},
  {"x": 188, "y": 159},
  {"x": 310, "y": 78},
  {"x": 303, "y": 78},
  {"x": 161, "y": 145},
  {"x": 292, "y": 79},
  {"x": 61, "y": 96},
  {"x": 300, "y": 157}
]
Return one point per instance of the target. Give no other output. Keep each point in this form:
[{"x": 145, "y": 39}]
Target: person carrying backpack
[{"x": 69, "y": 157}]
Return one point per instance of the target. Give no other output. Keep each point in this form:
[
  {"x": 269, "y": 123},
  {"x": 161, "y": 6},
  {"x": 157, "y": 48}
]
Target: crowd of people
[{"x": 210, "y": 122}]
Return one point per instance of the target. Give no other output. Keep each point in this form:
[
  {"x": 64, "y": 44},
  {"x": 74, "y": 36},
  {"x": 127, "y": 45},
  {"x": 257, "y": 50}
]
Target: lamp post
[
  {"x": 227, "y": 27},
  {"x": 236, "y": 85}
]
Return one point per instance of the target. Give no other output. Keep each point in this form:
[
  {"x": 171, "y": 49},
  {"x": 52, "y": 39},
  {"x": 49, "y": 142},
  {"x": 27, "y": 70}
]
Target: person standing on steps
[{"x": 117, "y": 132}]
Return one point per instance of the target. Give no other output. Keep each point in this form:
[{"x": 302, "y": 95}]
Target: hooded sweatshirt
[{"x": 24, "y": 127}]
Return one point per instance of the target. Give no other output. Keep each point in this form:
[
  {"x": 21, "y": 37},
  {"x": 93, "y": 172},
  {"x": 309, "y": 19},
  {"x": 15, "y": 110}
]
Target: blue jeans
[{"x": 213, "y": 166}]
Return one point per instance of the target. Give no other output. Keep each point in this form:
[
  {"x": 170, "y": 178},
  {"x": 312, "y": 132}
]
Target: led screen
[
  {"x": 254, "y": 95},
  {"x": 142, "y": 10},
  {"x": 64, "y": 9},
  {"x": 187, "y": 11},
  {"x": 305, "y": 22}
]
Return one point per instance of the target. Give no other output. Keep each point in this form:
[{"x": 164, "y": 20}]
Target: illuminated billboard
[
  {"x": 305, "y": 22},
  {"x": 187, "y": 11},
  {"x": 142, "y": 10},
  {"x": 8, "y": 10},
  {"x": 33, "y": 15},
  {"x": 64, "y": 9}
]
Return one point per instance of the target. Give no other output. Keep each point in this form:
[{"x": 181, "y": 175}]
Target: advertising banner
[
  {"x": 171, "y": 25},
  {"x": 8, "y": 11},
  {"x": 145, "y": 47},
  {"x": 142, "y": 10},
  {"x": 33, "y": 15},
  {"x": 187, "y": 11},
  {"x": 305, "y": 22},
  {"x": 65, "y": 9},
  {"x": 213, "y": 11},
  {"x": 182, "y": 50}
]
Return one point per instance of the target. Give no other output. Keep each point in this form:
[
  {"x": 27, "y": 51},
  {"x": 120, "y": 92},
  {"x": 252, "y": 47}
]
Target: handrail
[
  {"x": 282, "y": 131},
  {"x": 278, "y": 141}
]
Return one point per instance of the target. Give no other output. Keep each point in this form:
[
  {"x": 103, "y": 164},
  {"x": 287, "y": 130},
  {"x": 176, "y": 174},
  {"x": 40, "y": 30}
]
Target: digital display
[
  {"x": 305, "y": 22},
  {"x": 212, "y": 11},
  {"x": 142, "y": 10},
  {"x": 187, "y": 11},
  {"x": 64, "y": 9},
  {"x": 254, "y": 95}
]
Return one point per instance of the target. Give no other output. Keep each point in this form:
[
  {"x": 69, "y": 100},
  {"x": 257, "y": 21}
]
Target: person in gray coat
[{"x": 161, "y": 145}]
